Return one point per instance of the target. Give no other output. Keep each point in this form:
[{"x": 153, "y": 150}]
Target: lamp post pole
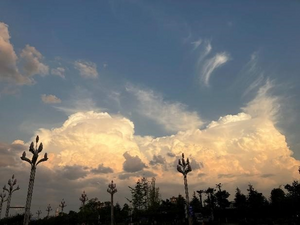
[
  {"x": 2, "y": 197},
  {"x": 11, "y": 183},
  {"x": 112, "y": 190},
  {"x": 184, "y": 168},
  {"x": 48, "y": 210},
  {"x": 39, "y": 212},
  {"x": 33, "y": 162},
  {"x": 83, "y": 198},
  {"x": 62, "y": 205}
]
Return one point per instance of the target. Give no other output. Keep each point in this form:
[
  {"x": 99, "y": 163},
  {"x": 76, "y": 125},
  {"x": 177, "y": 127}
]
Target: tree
[
  {"x": 200, "y": 192},
  {"x": 278, "y": 202},
  {"x": 145, "y": 194},
  {"x": 139, "y": 194},
  {"x": 154, "y": 196},
  {"x": 293, "y": 197},
  {"x": 211, "y": 200},
  {"x": 256, "y": 202},
  {"x": 222, "y": 197},
  {"x": 240, "y": 202}
]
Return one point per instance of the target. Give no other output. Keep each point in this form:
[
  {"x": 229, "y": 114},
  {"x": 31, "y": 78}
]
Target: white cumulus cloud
[
  {"x": 32, "y": 62},
  {"x": 59, "y": 71},
  {"x": 86, "y": 69},
  {"x": 8, "y": 59},
  {"x": 9, "y": 62},
  {"x": 91, "y": 148},
  {"x": 50, "y": 99}
]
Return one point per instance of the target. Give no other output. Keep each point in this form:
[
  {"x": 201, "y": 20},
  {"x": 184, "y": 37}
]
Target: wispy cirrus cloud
[
  {"x": 86, "y": 69},
  {"x": 173, "y": 116},
  {"x": 212, "y": 64},
  {"x": 50, "y": 99},
  {"x": 205, "y": 67}
]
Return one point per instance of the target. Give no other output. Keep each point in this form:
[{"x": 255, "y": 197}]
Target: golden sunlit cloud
[{"x": 235, "y": 150}]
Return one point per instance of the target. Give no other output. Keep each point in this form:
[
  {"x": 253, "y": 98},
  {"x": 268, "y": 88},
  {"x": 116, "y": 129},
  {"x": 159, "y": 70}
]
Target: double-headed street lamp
[
  {"x": 112, "y": 190},
  {"x": 184, "y": 167},
  {"x": 11, "y": 183},
  {"x": 33, "y": 162}
]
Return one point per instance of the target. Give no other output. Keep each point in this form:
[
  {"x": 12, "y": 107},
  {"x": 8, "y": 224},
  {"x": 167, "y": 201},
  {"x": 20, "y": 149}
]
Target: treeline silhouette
[{"x": 208, "y": 206}]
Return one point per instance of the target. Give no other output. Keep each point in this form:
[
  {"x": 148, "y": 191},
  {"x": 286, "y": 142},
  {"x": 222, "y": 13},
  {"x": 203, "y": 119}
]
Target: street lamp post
[
  {"x": 33, "y": 162},
  {"x": 62, "y": 205},
  {"x": 2, "y": 197},
  {"x": 184, "y": 167},
  {"x": 83, "y": 198},
  {"x": 11, "y": 183},
  {"x": 48, "y": 210},
  {"x": 39, "y": 212},
  {"x": 112, "y": 190}
]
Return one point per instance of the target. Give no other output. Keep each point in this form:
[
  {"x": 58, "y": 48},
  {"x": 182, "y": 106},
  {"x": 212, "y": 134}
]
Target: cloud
[
  {"x": 31, "y": 62},
  {"x": 229, "y": 119},
  {"x": 239, "y": 149},
  {"x": 9, "y": 153},
  {"x": 102, "y": 169},
  {"x": 173, "y": 116},
  {"x": 50, "y": 99},
  {"x": 8, "y": 60},
  {"x": 157, "y": 159},
  {"x": 264, "y": 105},
  {"x": 86, "y": 69},
  {"x": 211, "y": 64},
  {"x": 204, "y": 52},
  {"x": 59, "y": 71},
  {"x": 196, "y": 44},
  {"x": 73, "y": 172},
  {"x": 132, "y": 163}
]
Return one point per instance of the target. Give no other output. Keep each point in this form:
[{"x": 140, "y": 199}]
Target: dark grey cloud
[
  {"x": 157, "y": 159},
  {"x": 102, "y": 169},
  {"x": 222, "y": 175},
  {"x": 267, "y": 175},
  {"x": 144, "y": 173},
  {"x": 196, "y": 165},
  {"x": 10, "y": 154},
  {"x": 132, "y": 163},
  {"x": 202, "y": 174},
  {"x": 73, "y": 172},
  {"x": 171, "y": 154}
]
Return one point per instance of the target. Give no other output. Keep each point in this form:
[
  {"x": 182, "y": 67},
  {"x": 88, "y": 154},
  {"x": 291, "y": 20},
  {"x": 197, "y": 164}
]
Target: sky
[{"x": 117, "y": 90}]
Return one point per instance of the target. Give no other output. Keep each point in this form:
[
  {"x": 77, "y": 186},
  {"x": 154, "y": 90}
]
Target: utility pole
[
  {"x": 83, "y": 198},
  {"x": 184, "y": 168},
  {"x": 11, "y": 183},
  {"x": 39, "y": 212},
  {"x": 2, "y": 197},
  {"x": 112, "y": 190},
  {"x": 48, "y": 210},
  {"x": 33, "y": 162},
  {"x": 62, "y": 205}
]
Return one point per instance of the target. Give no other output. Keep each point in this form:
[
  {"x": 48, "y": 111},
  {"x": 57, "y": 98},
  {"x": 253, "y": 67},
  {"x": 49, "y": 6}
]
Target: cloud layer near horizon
[
  {"x": 92, "y": 147},
  {"x": 235, "y": 150}
]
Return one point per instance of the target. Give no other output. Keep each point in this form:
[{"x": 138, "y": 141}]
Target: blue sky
[{"x": 168, "y": 67}]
